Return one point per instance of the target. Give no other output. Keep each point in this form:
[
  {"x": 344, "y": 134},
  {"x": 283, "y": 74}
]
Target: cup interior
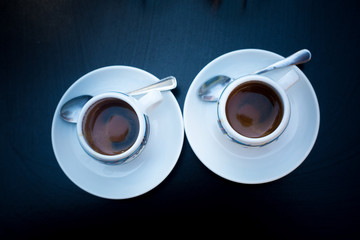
[
  {"x": 253, "y": 110},
  {"x": 111, "y": 127}
]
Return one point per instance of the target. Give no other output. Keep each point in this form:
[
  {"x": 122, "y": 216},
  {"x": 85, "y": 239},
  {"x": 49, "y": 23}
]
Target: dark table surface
[{"x": 46, "y": 45}]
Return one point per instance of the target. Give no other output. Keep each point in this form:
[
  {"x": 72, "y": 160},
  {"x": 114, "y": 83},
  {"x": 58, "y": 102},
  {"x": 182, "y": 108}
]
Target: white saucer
[
  {"x": 142, "y": 174},
  {"x": 245, "y": 164}
]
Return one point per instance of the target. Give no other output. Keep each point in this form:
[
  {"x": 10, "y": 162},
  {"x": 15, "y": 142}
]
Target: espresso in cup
[
  {"x": 110, "y": 126},
  {"x": 114, "y": 127},
  {"x": 254, "y": 109}
]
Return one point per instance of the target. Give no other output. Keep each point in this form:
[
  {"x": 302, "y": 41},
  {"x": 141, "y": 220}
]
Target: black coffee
[
  {"x": 254, "y": 109},
  {"x": 111, "y": 126}
]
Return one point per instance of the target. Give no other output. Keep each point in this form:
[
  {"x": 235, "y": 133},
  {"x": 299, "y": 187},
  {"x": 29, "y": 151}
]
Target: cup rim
[
  {"x": 239, "y": 138},
  {"x": 141, "y": 135}
]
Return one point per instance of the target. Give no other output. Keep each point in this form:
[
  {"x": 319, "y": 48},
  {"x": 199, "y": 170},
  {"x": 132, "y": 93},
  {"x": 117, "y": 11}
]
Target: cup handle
[
  {"x": 288, "y": 80},
  {"x": 150, "y": 100}
]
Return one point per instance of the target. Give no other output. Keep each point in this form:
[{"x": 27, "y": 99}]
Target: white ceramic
[
  {"x": 141, "y": 108},
  {"x": 142, "y": 174},
  {"x": 278, "y": 86},
  {"x": 247, "y": 164}
]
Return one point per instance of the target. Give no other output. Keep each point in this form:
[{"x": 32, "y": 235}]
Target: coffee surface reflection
[
  {"x": 254, "y": 109},
  {"x": 110, "y": 126}
]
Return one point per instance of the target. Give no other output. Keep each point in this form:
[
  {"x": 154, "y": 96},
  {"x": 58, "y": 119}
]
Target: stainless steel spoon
[
  {"x": 72, "y": 108},
  {"x": 210, "y": 90}
]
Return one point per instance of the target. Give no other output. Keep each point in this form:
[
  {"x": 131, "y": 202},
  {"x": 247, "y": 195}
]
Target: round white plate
[
  {"x": 245, "y": 164},
  {"x": 142, "y": 174}
]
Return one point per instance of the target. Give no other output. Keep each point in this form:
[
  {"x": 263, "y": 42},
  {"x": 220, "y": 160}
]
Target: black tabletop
[{"x": 47, "y": 45}]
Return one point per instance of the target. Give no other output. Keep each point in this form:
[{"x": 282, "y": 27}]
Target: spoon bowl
[
  {"x": 213, "y": 85},
  {"x": 72, "y": 108}
]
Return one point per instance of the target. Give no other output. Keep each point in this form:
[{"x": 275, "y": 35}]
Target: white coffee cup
[
  {"x": 277, "y": 87},
  {"x": 95, "y": 135}
]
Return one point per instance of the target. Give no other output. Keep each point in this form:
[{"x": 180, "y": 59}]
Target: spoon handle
[
  {"x": 167, "y": 83},
  {"x": 299, "y": 57}
]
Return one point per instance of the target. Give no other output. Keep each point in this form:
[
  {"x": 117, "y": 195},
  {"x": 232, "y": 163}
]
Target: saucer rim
[
  {"x": 192, "y": 91},
  {"x": 180, "y": 135}
]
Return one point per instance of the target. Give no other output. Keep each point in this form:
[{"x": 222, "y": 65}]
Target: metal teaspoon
[
  {"x": 72, "y": 108},
  {"x": 210, "y": 90}
]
